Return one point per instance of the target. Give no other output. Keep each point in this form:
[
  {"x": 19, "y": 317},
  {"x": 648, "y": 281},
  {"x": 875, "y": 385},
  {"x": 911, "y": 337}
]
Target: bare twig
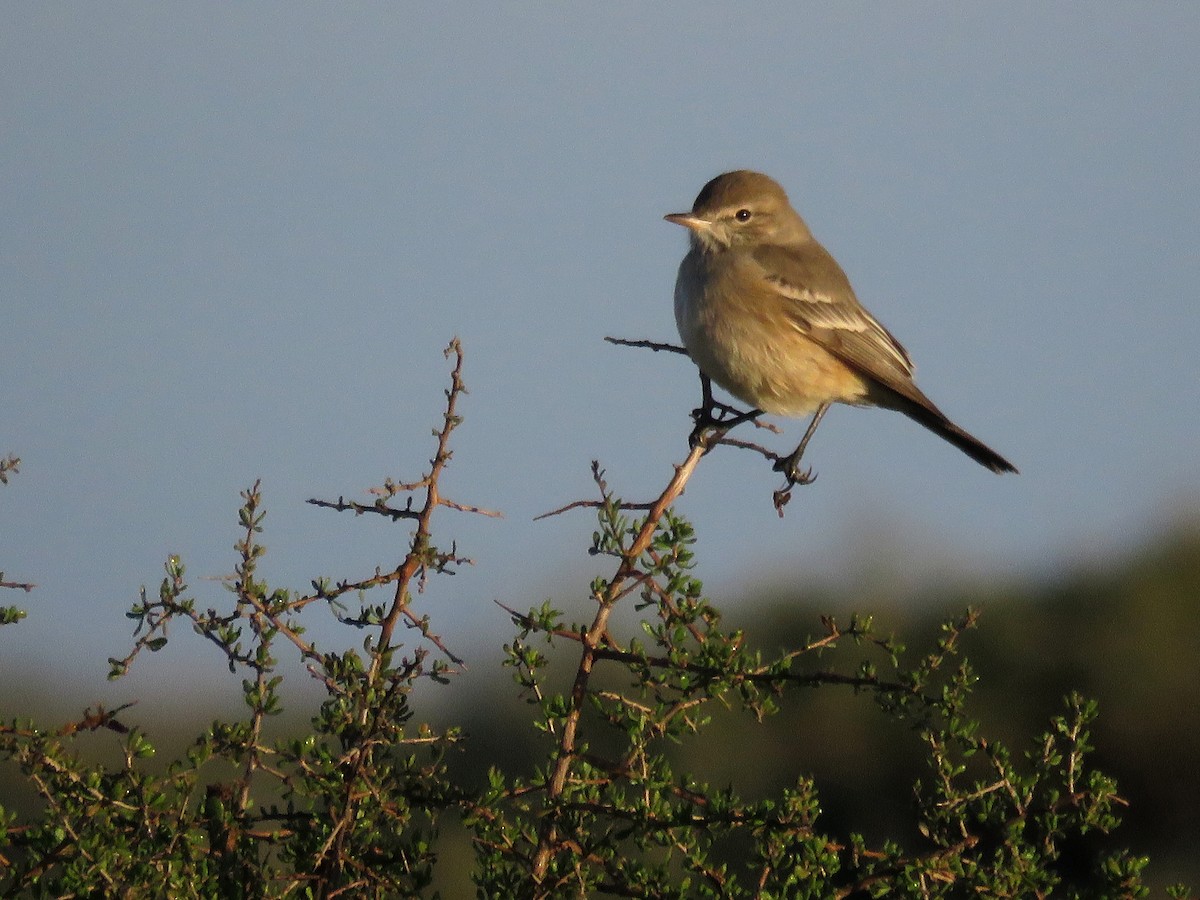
[
  {"x": 649, "y": 345},
  {"x": 769, "y": 455},
  {"x": 378, "y": 507},
  {"x": 591, "y": 504},
  {"x": 479, "y": 510}
]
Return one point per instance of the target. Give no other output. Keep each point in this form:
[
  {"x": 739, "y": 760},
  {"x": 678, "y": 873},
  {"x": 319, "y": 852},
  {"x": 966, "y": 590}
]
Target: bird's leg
[
  {"x": 790, "y": 464},
  {"x": 703, "y": 414},
  {"x": 705, "y": 417}
]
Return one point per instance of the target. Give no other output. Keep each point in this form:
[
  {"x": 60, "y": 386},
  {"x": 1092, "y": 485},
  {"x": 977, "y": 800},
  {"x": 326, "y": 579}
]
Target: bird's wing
[{"x": 821, "y": 304}]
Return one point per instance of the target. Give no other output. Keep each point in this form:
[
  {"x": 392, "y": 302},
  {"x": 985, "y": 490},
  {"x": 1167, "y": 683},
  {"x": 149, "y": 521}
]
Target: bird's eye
[{"x": 743, "y": 215}]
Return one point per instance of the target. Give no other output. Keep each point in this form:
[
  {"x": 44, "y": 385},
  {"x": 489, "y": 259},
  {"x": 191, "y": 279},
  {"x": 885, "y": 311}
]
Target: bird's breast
[{"x": 735, "y": 328}]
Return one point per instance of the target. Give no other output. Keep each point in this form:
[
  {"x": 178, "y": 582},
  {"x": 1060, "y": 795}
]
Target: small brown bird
[{"x": 770, "y": 316}]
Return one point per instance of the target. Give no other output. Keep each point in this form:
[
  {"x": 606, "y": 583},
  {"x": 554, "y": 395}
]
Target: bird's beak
[{"x": 690, "y": 221}]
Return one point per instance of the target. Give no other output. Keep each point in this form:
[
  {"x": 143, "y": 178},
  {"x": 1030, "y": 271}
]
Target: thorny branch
[
  {"x": 422, "y": 557},
  {"x": 593, "y": 641},
  {"x": 372, "y": 696}
]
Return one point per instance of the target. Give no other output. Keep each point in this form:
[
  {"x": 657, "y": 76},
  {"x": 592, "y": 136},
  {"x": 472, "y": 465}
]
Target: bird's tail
[{"x": 933, "y": 419}]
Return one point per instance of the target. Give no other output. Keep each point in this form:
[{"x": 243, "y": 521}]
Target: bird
[{"x": 768, "y": 314}]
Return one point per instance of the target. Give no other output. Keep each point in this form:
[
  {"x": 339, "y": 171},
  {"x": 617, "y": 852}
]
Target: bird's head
[{"x": 740, "y": 209}]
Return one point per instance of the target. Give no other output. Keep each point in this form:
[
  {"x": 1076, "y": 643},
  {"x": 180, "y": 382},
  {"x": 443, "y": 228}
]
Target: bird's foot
[
  {"x": 713, "y": 421},
  {"x": 790, "y": 467}
]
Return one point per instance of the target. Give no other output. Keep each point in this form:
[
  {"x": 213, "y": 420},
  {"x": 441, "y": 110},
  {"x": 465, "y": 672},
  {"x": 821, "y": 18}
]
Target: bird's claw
[
  {"x": 808, "y": 476},
  {"x": 792, "y": 472}
]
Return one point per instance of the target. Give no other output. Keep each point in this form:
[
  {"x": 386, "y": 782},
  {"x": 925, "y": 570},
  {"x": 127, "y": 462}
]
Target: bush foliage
[{"x": 354, "y": 807}]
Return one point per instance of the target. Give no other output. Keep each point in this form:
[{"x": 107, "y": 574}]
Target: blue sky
[{"x": 235, "y": 240}]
